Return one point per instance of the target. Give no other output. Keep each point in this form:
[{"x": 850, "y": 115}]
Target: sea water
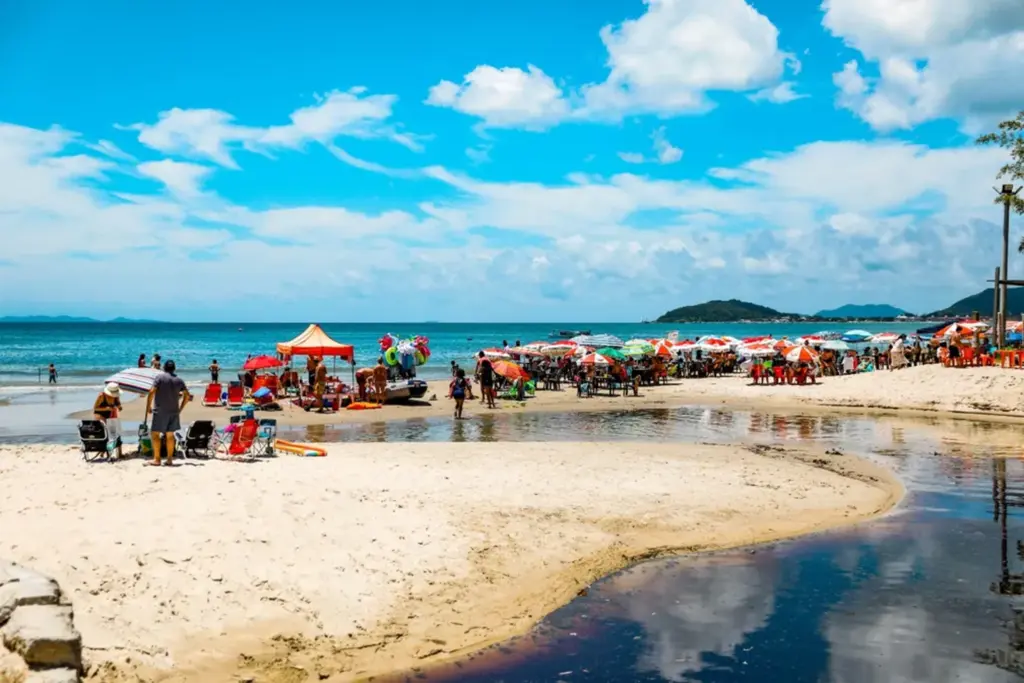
[{"x": 86, "y": 353}]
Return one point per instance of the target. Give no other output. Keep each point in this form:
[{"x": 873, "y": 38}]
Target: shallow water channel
[{"x": 927, "y": 593}]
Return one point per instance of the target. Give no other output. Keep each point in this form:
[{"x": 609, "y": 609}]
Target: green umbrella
[
  {"x": 612, "y": 354},
  {"x": 639, "y": 349}
]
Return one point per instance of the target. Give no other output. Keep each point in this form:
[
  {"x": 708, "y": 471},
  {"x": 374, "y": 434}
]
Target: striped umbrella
[
  {"x": 598, "y": 340},
  {"x": 496, "y": 354},
  {"x": 801, "y": 354},
  {"x": 714, "y": 344},
  {"x": 883, "y": 338},
  {"x": 639, "y": 348},
  {"x": 135, "y": 380},
  {"x": 612, "y": 354},
  {"x": 955, "y": 329},
  {"x": 757, "y": 349},
  {"x": 594, "y": 359}
]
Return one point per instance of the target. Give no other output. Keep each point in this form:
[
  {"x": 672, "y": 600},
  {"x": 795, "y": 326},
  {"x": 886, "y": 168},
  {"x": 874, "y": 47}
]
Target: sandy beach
[
  {"x": 383, "y": 556},
  {"x": 978, "y": 392}
]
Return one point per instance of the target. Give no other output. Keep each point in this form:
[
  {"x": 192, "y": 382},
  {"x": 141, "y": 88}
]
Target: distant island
[
  {"x": 734, "y": 311},
  {"x": 719, "y": 311},
  {"x": 65, "y": 319},
  {"x": 982, "y": 303},
  {"x": 863, "y": 311}
]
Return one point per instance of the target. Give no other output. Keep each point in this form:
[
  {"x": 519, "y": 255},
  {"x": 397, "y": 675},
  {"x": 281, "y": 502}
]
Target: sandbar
[{"x": 380, "y": 557}]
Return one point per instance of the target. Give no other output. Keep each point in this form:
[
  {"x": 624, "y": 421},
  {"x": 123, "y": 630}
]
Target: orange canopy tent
[{"x": 315, "y": 342}]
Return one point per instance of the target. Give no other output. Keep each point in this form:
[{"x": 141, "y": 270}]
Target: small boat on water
[{"x": 567, "y": 334}]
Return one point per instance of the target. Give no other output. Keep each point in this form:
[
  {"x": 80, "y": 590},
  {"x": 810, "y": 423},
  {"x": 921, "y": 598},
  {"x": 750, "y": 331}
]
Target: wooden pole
[
  {"x": 996, "y": 309},
  {"x": 1005, "y": 269}
]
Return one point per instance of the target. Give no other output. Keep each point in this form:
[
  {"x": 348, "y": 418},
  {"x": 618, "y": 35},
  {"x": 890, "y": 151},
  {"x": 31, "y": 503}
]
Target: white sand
[
  {"x": 393, "y": 553},
  {"x": 930, "y": 388}
]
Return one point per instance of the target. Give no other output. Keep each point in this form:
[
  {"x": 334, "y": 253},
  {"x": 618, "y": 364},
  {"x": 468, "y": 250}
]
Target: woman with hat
[{"x": 106, "y": 409}]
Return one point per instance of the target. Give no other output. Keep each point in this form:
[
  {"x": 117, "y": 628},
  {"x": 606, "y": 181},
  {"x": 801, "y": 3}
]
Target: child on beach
[{"x": 460, "y": 389}]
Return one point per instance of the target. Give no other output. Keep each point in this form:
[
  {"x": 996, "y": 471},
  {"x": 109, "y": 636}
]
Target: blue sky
[{"x": 468, "y": 161}]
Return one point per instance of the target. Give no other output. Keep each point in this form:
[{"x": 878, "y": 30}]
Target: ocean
[{"x": 86, "y": 353}]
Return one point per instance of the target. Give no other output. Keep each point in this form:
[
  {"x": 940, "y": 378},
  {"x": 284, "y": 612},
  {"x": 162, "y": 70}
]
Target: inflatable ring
[
  {"x": 391, "y": 356},
  {"x": 421, "y": 358}
]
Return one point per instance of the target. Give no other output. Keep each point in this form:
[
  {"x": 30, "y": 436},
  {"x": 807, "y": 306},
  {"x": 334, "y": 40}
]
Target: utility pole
[
  {"x": 995, "y": 311},
  {"x": 1007, "y": 194}
]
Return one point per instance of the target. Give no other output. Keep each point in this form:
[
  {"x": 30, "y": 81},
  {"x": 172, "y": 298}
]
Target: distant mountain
[
  {"x": 732, "y": 310},
  {"x": 872, "y": 311},
  {"x": 982, "y": 303},
  {"x": 63, "y": 319}
]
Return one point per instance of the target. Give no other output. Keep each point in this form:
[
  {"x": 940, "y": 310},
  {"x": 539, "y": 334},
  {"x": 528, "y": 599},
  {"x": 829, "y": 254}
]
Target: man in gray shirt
[{"x": 166, "y": 399}]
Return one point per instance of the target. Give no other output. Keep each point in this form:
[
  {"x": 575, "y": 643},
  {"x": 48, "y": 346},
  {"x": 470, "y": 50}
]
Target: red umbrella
[{"x": 262, "y": 363}]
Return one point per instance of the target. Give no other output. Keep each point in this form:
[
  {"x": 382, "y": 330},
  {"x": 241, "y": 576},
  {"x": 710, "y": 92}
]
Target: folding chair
[
  {"x": 266, "y": 437},
  {"x": 236, "y": 395},
  {"x": 196, "y": 441},
  {"x": 95, "y": 440},
  {"x": 243, "y": 437}
]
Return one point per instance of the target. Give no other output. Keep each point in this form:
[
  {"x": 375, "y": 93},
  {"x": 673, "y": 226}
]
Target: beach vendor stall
[{"x": 314, "y": 342}]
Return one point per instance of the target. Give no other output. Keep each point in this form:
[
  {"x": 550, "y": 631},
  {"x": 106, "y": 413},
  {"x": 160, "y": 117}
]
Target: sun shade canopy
[{"x": 315, "y": 342}]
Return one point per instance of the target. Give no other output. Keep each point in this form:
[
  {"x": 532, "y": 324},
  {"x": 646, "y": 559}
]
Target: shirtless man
[
  {"x": 380, "y": 381},
  {"x": 319, "y": 385}
]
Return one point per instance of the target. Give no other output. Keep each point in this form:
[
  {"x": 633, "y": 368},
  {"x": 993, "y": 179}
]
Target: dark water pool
[{"x": 928, "y": 593}]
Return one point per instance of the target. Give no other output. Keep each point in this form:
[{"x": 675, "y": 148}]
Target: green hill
[
  {"x": 871, "y": 311},
  {"x": 720, "y": 312},
  {"x": 982, "y": 302}
]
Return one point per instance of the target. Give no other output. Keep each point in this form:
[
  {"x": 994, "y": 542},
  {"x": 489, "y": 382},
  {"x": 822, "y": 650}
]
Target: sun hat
[{"x": 112, "y": 390}]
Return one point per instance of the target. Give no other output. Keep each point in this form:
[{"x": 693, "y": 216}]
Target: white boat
[{"x": 406, "y": 390}]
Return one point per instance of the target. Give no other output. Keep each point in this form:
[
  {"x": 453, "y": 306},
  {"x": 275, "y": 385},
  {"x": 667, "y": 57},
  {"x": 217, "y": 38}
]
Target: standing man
[
  {"x": 214, "y": 371},
  {"x": 380, "y": 381},
  {"x": 166, "y": 399},
  {"x": 320, "y": 384},
  {"x": 311, "y": 369},
  {"x": 52, "y": 371}
]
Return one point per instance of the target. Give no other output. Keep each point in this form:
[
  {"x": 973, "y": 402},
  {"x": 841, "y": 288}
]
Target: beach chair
[
  {"x": 94, "y": 438},
  {"x": 198, "y": 440},
  {"x": 236, "y": 396},
  {"x": 213, "y": 393},
  {"x": 266, "y": 437},
  {"x": 243, "y": 436}
]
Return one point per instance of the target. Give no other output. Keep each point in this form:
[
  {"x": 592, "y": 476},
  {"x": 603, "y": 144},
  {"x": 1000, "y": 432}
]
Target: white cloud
[
  {"x": 779, "y": 94},
  {"x": 866, "y": 218},
  {"x": 504, "y": 97},
  {"x": 481, "y": 154},
  {"x": 214, "y": 135},
  {"x": 180, "y": 177},
  {"x": 664, "y": 151},
  {"x": 667, "y": 153},
  {"x": 663, "y": 62},
  {"x": 935, "y": 59}
]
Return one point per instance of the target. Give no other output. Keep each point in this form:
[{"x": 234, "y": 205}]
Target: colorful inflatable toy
[{"x": 406, "y": 353}]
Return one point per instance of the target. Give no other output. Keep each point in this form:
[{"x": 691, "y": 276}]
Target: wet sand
[{"x": 384, "y": 556}]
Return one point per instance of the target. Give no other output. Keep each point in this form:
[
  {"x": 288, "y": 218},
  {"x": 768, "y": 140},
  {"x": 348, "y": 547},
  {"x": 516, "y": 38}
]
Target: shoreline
[
  {"x": 383, "y": 557},
  {"x": 990, "y": 394}
]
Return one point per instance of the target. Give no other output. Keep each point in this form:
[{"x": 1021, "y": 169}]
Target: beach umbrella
[
  {"x": 262, "y": 363},
  {"x": 135, "y": 380},
  {"x": 763, "y": 337},
  {"x": 732, "y": 341},
  {"x": 883, "y": 338},
  {"x": 495, "y": 354},
  {"x": 636, "y": 341},
  {"x": 509, "y": 370},
  {"x": 525, "y": 351},
  {"x": 855, "y": 336},
  {"x": 714, "y": 344},
  {"x": 757, "y": 349},
  {"x": 801, "y": 354},
  {"x": 557, "y": 350},
  {"x": 612, "y": 354},
  {"x": 812, "y": 339},
  {"x": 836, "y": 345},
  {"x": 598, "y": 341},
  {"x": 954, "y": 329},
  {"x": 594, "y": 359},
  {"x": 638, "y": 347}
]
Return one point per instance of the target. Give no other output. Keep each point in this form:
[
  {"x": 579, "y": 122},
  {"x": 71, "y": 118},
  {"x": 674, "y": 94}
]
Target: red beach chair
[
  {"x": 213, "y": 394},
  {"x": 236, "y": 395},
  {"x": 242, "y": 439}
]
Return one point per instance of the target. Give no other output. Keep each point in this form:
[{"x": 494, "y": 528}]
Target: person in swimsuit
[
  {"x": 106, "y": 409},
  {"x": 166, "y": 399},
  {"x": 380, "y": 381},
  {"x": 142, "y": 360},
  {"x": 155, "y": 364},
  {"x": 460, "y": 389},
  {"x": 52, "y": 371},
  {"x": 214, "y": 371},
  {"x": 311, "y": 369},
  {"x": 487, "y": 380},
  {"x": 319, "y": 386}
]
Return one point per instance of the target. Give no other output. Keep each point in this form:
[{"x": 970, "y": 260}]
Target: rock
[
  {"x": 53, "y": 676},
  {"x": 36, "y": 590},
  {"x": 44, "y": 636}
]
